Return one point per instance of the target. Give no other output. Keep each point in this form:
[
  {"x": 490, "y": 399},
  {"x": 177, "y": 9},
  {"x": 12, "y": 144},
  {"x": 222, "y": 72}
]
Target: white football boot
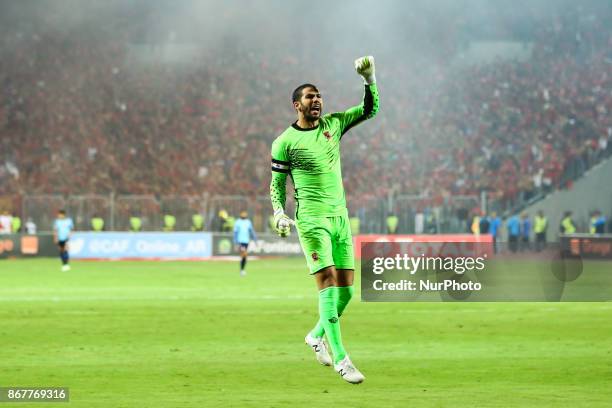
[
  {"x": 65, "y": 268},
  {"x": 320, "y": 349},
  {"x": 348, "y": 371}
]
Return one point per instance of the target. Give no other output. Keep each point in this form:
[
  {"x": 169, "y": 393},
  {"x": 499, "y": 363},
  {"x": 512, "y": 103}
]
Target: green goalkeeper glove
[
  {"x": 365, "y": 67},
  {"x": 282, "y": 223}
]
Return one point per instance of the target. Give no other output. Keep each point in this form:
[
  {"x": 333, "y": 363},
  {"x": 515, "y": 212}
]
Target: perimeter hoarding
[
  {"x": 265, "y": 245},
  {"x": 358, "y": 240},
  {"x": 141, "y": 245},
  {"x": 22, "y": 245},
  {"x": 587, "y": 246}
]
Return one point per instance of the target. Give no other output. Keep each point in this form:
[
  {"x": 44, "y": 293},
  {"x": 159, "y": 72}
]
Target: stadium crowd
[{"x": 80, "y": 114}]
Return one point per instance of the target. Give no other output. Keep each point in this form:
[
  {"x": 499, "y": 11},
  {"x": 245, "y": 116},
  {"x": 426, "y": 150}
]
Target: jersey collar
[{"x": 301, "y": 129}]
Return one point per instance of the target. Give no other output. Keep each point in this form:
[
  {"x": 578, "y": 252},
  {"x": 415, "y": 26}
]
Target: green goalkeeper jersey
[{"x": 312, "y": 158}]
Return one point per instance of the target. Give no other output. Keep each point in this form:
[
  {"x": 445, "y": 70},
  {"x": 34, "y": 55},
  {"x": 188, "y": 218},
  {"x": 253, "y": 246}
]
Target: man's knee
[
  {"x": 326, "y": 277},
  {"x": 345, "y": 277}
]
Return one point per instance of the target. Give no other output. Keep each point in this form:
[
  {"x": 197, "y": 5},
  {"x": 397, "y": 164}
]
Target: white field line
[
  {"x": 466, "y": 308},
  {"x": 139, "y": 298}
]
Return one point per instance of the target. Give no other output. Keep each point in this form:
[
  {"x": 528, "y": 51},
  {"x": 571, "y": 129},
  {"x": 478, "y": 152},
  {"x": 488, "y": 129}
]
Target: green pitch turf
[{"x": 189, "y": 334}]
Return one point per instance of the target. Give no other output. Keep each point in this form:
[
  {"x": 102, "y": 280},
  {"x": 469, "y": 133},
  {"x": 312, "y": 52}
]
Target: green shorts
[{"x": 326, "y": 241}]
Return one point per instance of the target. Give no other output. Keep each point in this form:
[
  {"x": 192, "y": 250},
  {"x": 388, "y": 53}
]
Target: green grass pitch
[{"x": 196, "y": 334}]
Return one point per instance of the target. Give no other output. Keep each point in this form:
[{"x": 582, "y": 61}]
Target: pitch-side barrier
[{"x": 203, "y": 245}]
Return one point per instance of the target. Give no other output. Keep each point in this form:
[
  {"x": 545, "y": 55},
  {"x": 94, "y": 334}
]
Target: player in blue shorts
[
  {"x": 243, "y": 233},
  {"x": 62, "y": 228}
]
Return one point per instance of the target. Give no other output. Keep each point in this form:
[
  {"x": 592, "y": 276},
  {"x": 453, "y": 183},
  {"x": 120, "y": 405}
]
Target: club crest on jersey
[
  {"x": 315, "y": 256},
  {"x": 327, "y": 134}
]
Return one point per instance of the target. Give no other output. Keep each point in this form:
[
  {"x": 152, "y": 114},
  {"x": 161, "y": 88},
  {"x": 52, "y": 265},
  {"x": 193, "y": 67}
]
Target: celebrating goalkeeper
[{"x": 309, "y": 150}]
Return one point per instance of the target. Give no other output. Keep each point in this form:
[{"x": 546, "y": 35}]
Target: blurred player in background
[
  {"x": 243, "y": 233},
  {"x": 62, "y": 228},
  {"x": 309, "y": 150}
]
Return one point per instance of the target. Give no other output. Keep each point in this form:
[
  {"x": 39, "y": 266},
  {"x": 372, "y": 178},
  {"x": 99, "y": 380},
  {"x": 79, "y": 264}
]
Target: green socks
[
  {"x": 328, "y": 318},
  {"x": 345, "y": 293},
  {"x": 332, "y": 302}
]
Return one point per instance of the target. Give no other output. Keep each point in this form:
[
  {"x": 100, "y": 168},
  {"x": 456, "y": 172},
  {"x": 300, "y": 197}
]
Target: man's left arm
[{"x": 370, "y": 105}]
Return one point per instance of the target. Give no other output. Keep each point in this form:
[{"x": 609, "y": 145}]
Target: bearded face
[{"x": 310, "y": 104}]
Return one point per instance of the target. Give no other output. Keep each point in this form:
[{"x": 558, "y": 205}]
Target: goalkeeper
[{"x": 309, "y": 151}]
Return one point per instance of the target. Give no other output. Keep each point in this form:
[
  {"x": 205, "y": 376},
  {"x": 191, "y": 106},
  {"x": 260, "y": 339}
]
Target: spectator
[
  {"x": 30, "y": 227},
  {"x": 525, "y": 232},
  {"x": 6, "y": 222},
  {"x": 514, "y": 229},
  {"x": 513, "y": 128},
  {"x": 540, "y": 225}
]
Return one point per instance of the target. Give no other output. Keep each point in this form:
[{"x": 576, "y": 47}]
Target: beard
[{"x": 308, "y": 115}]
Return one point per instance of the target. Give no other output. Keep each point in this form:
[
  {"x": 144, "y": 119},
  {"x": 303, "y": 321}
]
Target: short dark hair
[
  {"x": 62, "y": 211},
  {"x": 297, "y": 93}
]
